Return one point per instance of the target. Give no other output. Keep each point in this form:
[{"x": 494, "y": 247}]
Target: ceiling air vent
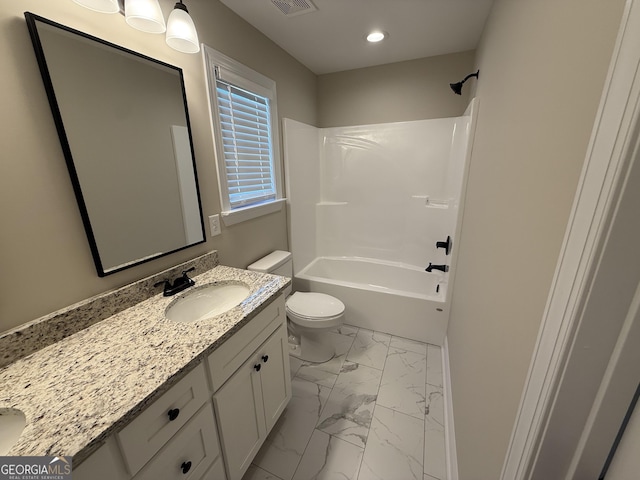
[{"x": 294, "y": 7}]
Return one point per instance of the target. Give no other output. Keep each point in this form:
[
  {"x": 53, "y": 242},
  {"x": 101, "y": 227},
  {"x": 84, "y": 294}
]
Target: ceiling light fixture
[
  {"x": 181, "y": 32},
  {"x": 376, "y": 36},
  {"x": 102, "y": 6},
  {"x": 146, "y": 15}
]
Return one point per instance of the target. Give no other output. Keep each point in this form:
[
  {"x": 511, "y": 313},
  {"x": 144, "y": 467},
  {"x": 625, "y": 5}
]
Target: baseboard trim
[{"x": 449, "y": 429}]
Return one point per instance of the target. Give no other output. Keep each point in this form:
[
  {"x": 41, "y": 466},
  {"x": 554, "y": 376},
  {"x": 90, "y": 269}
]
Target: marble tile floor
[{"x": 375, "y": 411}]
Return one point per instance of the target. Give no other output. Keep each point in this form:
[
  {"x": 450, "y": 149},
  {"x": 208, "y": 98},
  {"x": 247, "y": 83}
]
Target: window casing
[{"x": 245, "y": 127}]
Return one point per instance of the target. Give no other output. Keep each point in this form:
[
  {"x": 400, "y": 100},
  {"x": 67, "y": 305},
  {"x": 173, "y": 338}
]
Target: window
[
  {"x": 245, "y": 126},
  {"x": 246, "y": 141}
]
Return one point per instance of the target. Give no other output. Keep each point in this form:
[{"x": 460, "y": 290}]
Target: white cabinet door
[
  {"x": 240, "y": 415},
  {"x": 275, "y": 376},
  {"x": 251, "y": 401}
]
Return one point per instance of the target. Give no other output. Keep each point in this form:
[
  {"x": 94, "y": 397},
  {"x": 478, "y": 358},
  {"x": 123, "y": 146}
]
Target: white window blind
[{"x": 246, "y": 137}]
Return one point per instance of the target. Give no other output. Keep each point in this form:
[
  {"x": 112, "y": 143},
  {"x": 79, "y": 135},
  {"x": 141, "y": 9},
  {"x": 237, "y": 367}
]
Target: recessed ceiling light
[{"x": 374, "y": 37}]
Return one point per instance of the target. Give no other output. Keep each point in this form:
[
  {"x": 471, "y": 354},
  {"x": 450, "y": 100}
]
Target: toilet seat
[{"x": 314, "y": 310}]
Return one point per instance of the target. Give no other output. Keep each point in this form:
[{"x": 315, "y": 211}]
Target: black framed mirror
[{"x": 123, "y": 124}]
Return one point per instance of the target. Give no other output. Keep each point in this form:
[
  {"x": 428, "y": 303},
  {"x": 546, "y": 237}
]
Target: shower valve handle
[{"x": 446, "y": 245}]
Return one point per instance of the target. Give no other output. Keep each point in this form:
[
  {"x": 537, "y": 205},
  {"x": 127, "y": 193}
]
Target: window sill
[{"x": 248, "y": 213}]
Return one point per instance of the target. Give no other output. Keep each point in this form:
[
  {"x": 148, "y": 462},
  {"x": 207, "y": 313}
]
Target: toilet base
[{"x": 315, "y": 347}]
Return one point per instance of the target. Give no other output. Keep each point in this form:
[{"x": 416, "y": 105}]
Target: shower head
[{"x": 457, "y": 87}]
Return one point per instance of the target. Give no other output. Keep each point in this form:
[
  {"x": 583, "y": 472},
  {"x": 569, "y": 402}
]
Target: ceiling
[{"x": 331, "y": 37}]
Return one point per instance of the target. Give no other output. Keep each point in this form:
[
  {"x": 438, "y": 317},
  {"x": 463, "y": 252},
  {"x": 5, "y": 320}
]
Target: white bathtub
[{"x": 388, "y": 297}]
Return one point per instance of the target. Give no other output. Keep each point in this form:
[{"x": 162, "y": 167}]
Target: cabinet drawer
[
  {"x": 150, "y": 430},
  {"x": 234, "y": 352},
  {"x": 192, "y": 450}
]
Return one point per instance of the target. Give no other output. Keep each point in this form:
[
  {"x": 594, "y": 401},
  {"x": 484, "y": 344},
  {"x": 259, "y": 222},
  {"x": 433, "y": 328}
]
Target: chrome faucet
[
  {"x": 179, "y": 284},
  {"x": 442, "y": 268}
]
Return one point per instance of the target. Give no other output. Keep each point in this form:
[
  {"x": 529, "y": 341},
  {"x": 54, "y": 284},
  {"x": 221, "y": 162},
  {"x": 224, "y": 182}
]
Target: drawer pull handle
[
  {"x": 265, "y": 358},
  {"x": 173, "y": 414},
  {"x": 186, "y": 466},
  {"x": 257, "y": 367}
]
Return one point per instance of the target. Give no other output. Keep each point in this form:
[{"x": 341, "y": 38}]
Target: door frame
[{"x": 599, "y": 189}]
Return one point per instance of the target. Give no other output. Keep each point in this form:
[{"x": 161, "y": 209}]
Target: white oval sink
[
  {"x": 206, "y": 302},
  {"x": 12, "y": 423}
]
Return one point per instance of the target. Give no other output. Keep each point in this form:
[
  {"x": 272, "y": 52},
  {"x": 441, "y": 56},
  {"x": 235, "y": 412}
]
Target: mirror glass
[{"x": 124, "y": 128}]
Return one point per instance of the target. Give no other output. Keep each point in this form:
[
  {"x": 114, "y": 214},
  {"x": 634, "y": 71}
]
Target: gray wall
[
  {"x": 403, "y": 91},
  {"x": 44, "y": 254},
  {"x": 542, "y": 68},
  {"x": 542, "y": 65}
]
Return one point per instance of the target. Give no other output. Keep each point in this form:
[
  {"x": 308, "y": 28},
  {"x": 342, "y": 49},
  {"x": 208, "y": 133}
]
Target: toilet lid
[{"x": 314, "y": 305}]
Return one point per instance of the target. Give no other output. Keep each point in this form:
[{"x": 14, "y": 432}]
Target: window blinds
[{"x": 246, "y": 137}]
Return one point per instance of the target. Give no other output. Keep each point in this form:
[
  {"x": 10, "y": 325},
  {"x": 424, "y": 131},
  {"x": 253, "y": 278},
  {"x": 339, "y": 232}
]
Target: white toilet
[{"x": 311, "y": 315}]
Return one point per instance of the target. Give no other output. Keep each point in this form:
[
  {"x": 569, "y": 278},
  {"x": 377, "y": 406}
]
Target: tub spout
[{"x": 442, "y": 268}]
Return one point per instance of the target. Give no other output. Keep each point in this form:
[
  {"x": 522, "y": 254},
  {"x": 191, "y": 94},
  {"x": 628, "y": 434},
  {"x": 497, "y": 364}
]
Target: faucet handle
[
  {"x": 184, "y": 272},
  {"x": 186, "y": 278}
]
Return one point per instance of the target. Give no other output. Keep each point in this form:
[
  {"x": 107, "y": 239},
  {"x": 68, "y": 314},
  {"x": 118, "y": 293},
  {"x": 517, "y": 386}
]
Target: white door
[
  {"x": 603, "y": 367},
  {"x": 598, "y": 449}
]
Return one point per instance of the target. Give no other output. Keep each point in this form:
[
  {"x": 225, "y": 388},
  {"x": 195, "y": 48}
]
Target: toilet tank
[{"x": 277, "y": 263}]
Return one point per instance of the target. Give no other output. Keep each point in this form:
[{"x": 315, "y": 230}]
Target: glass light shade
[
  {"x": 181, "y": 32},
  {"x": 144, "y": 15},
  {"x": 102, "y": 6}
]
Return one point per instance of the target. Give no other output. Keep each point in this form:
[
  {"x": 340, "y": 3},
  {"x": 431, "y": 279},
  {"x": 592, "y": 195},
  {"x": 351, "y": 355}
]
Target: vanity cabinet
[
  {"x": 185, "y": 434},
  {"x": 252, "y": 399},
  {"x": 176, "y": 437}
]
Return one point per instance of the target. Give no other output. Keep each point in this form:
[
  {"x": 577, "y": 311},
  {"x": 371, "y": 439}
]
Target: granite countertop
[{"x": 82, "y": 389}]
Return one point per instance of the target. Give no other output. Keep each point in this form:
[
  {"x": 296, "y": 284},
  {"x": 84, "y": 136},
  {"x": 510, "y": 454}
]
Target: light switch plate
[{"x": 214, "y": 225}]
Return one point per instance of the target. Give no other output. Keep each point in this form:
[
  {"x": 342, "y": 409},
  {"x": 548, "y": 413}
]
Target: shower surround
[{"x": 367, "y": 205}]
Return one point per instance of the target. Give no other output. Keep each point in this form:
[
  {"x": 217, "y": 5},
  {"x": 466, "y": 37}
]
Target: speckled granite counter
[{"x": 82, "y": 389}]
